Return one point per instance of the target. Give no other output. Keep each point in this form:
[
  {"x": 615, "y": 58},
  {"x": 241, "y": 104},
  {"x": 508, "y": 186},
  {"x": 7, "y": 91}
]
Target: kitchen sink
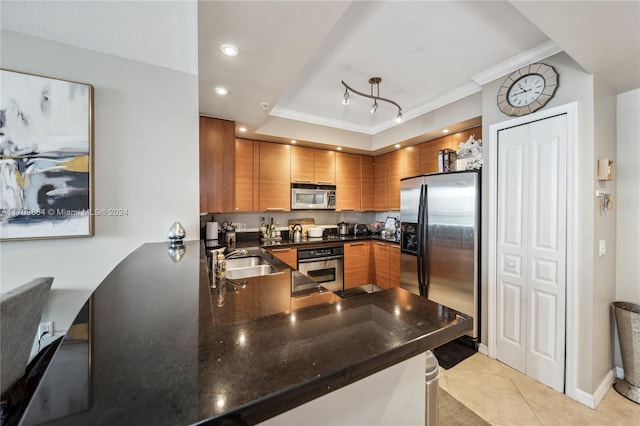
[{"x": 247, "y": 267}]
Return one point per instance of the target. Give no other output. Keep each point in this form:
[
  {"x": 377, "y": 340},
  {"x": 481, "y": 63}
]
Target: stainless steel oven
[{"x": 324, "y": 265}]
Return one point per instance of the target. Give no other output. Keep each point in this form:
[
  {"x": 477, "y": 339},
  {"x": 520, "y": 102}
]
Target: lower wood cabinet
[
  {"x": 386, "y": 257},
  {"x": 357, "y": 264},
  {"x": 311, "y": 299},
  {"x": 288, "y": 255}
]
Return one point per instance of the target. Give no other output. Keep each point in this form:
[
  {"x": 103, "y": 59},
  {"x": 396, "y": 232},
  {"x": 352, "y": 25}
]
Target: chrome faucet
[{"x": 236, "y": 253}]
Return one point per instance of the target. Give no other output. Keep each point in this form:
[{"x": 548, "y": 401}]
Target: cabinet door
[
  {"x": 429, "y": 153},
  {"x": 348, "y": 184},
  {"x": 394, "y": 265},
  {"x": 288, "y": 255},
  {"x": 301, "y": 164},
  {"x": 380, "y": 180},
  {"x": 217, "y": 146},
  {"x": 324, "y": 167},
  {"x": 356, "y": 264},
  {"x": 275, "y": 187},
  {"x": 244, "y": 187},
  {"x": 367, "y": 192},
  {"x": 381, "y": 264},
  {"x": 275, "y": 294},
  {"x": 411, "y": 161},
  {"x": 394, "y": 173},
  {"x": 458, "y": 138}
]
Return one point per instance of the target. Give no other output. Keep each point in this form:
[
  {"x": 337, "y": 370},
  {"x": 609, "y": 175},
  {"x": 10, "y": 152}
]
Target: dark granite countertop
[{"x": 155, "y": 344}]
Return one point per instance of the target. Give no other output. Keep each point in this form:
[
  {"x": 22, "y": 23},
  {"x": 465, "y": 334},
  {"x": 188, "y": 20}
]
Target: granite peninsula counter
[{"x": 155, "y": 344}]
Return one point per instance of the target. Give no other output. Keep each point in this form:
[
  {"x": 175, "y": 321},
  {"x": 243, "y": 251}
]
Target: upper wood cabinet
[
  {"x": 247, "y": 169},
  {"x": 380, "y": 183},
  {"x": 348, "y": 184},
  {"x": 458, "y": 138},
  {"x": 411, "y": 161},
  {"x": 367, "y": 183},
  {"x": 388, "y": 172},
  {"x": 217, "y": 150},
  {"x": 275, "y": 177},
  {"x": 310, "y": 165}
]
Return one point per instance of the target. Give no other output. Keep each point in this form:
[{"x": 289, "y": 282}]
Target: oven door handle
[{"x": 320, "y": 259}]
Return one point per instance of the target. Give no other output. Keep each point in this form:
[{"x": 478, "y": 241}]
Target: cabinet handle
[
  {"x": 381, "y": 244},
  {"x": 356, "y": 244},
  {"x": 394, "y": 210},
  {"x": 330, "y": 182},
  {"x": 280, "y": 209},
  {"x": 280, "y": 250},
  {"x": 302, "y": 181},
  {"x": 347, "y": 210},
  {"x": 394, "y": 246}
]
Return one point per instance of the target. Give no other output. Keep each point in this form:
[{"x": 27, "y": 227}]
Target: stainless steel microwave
[{"x": 306, "y": 196}]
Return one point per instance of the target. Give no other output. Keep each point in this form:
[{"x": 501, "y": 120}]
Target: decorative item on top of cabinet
[
  {"x": 275, "y": 175},
  {"x": 348, "y": 184},
  {"x": 217, "y": 148}
]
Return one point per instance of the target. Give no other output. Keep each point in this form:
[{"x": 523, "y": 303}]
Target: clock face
[{"x": 527, "y": 89}]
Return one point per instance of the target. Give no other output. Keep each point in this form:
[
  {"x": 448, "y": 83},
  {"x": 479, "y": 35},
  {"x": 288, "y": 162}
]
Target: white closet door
[{"x": 532, "y": 249}]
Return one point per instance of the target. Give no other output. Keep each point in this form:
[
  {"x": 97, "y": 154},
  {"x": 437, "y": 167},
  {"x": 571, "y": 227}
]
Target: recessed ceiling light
[
  {"x": 229, "y": 49},
  {"x": 293, "y": 141},
  {"x": 339, "y": 148},
  {"x": 265, "y": 106},
  {"x": 243, "y": 129},
  {"x": 445, "y": 131},
  {"x": 397, "y": 145},
  {"x": 221, "y": 90}
]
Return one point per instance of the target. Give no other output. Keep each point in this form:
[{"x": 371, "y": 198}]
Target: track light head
[
  {"x": 374, "y": 82},
  {"x": 345, "y": 98},
  {"x": 399, "y": 117},
  {"x": 374, "y": 107}
]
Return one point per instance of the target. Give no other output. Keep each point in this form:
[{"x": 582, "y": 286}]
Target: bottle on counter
[
  {"x": 263, "y": 229},
  {"x": 221, "y": 266}
]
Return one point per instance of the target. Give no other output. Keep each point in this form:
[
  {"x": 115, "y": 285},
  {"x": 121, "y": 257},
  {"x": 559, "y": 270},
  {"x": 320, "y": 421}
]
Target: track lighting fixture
[{"x": 373, "y": 81}]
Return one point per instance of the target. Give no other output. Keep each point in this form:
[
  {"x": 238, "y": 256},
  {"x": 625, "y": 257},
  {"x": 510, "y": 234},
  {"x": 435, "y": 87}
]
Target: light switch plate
[{"x": 602, "y": 247}]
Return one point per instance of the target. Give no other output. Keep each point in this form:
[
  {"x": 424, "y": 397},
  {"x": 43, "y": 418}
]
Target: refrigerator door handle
[{"x": 422, "y": 241}]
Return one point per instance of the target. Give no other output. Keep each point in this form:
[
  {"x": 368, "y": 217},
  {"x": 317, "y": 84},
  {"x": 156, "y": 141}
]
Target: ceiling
[{"x": 294, "y": 54}]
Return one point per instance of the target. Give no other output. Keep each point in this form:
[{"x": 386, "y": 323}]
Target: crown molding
[{"x": 535, "y": 54}]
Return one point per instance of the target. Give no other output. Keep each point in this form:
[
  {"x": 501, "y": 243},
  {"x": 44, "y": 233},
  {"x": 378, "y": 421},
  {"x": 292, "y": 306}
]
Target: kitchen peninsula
[{"x": 155, "y": 344}]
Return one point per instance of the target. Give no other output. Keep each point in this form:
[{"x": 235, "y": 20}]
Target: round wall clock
[{"x": 527, "y": 89}]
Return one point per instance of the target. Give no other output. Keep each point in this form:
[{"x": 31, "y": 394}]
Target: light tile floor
[{"x": 503, "y": 396}]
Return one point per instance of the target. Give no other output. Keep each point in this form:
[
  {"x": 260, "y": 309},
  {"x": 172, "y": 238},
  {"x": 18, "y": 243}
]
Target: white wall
[
  {"x": 146, "y": 161},
  {"x": 627, "y": 207}
]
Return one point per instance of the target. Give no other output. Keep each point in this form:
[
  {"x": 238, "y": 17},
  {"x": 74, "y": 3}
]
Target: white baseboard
[
  {"x": 592, "y": 401},
  {"x": 619, "y": 372},
  {"x": 483, "y": 349}
]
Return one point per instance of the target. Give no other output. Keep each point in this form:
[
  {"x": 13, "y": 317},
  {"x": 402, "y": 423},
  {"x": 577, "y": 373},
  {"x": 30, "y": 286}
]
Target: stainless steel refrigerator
[{"x": 440, "y": 240}]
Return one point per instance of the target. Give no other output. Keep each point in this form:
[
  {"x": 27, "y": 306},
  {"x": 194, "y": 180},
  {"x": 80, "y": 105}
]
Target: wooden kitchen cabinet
[
  {"x": 348, "y": 184},
  {"x": 394, "y": 174},
  {"x": 217, "y": 150},
  {"x": 275, "y": 177},
  {"x": 411, "y": 161},
  {"x": 247, "y": 169},
  {"x": 394, "y": 265},
  {"x": 386, "y": 257},
  {"x": 310, "y": 165},
  {"x": 288, "y": 255},
  {"x": 275, "y": 294},
  {"x": 388, "y": 172},
  {"x": 357, "y": 264},
  {"x": 311, "y": 299},
  {"x": 380, "y": 183},
  {"x": 367, "y": 188}
]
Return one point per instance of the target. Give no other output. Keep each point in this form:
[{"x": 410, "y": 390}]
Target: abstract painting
[{"x": 46, "y": 164}]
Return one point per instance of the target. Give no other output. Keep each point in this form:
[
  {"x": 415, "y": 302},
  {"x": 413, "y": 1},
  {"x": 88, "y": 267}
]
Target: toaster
[{"x": 360, "y": 229}]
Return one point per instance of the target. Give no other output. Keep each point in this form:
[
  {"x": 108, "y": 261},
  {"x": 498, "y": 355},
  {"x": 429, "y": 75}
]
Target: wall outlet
[
  {"x": 45, "y": 327},
  {"x": 602, "y": 247}
]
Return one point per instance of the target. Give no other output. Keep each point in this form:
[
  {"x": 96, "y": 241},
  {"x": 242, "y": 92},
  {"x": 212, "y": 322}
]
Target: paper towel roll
[{"x": 212, "y": 230}]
